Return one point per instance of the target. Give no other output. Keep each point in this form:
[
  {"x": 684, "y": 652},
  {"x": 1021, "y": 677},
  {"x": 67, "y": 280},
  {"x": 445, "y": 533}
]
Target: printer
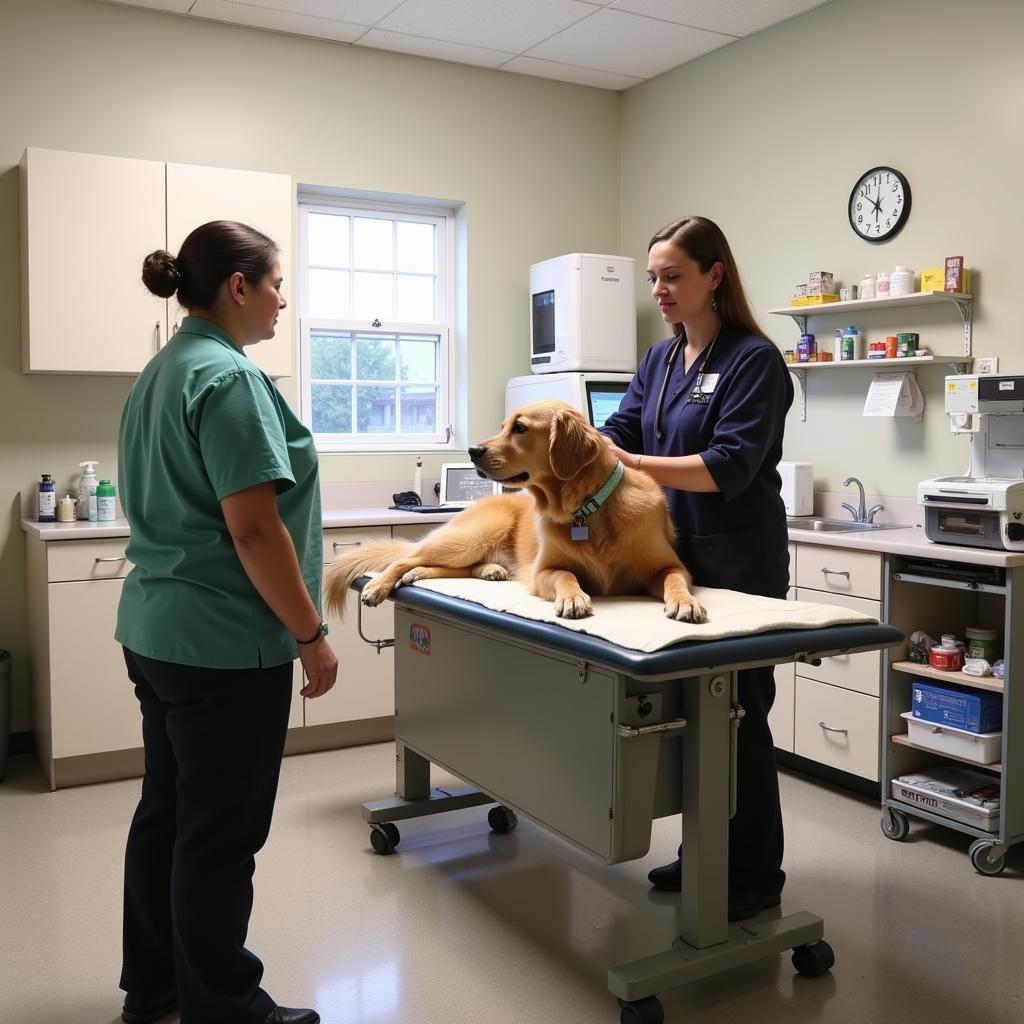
[{"x": 984, "y": 507}]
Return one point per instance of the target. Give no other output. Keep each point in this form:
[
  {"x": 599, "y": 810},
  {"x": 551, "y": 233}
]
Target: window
[{"x": 375, "y": 337}]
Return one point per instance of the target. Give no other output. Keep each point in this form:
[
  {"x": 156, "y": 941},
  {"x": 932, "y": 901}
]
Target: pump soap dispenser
[{"x": 87, "y": 491}]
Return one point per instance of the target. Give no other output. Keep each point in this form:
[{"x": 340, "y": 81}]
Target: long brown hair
[{"x": 703, "y": 241}]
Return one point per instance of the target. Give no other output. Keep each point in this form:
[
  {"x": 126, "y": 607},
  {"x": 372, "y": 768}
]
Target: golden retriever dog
[{"x": 549, "y": 450}]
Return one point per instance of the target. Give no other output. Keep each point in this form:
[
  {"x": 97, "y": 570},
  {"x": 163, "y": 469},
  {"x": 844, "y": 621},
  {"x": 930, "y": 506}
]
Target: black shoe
[
  {"x": 744, "y": 903},
  {"x": 284, "y": 1015},
  {"x": 148, "y": 1007},
  {"x": 669, "y": 877}
]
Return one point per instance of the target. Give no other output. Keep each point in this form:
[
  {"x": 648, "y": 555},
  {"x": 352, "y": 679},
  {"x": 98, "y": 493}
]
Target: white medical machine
[
  {"x": 985, "y": 507},
  {"x": 797, "y": 487},
  {"x": 597, "y": 395},
  {"x": 583, "y": 314}
]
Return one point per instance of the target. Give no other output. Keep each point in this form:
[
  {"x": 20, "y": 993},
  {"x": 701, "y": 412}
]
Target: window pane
[
  {"x": 373, "y": 297},
  {"x": 328, "y": 294},
  {"x": 375, "y": 358},
  {"x": 372, "y": 244},
  {"x": 332, "y": 409},
  {"x": 375, "y": 409},
  {"x": 328, "y": 240},
  {"x": 415, "y": 247},
  {"x": 330, "y": 356},
  {"x": 419, "y": 410},
  {"x": 418, "y": 359},
  {"x": 416, "y": 299}
]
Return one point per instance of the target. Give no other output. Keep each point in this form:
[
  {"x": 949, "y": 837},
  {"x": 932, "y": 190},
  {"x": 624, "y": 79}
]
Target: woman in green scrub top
[{"x": 219, "y": 482}]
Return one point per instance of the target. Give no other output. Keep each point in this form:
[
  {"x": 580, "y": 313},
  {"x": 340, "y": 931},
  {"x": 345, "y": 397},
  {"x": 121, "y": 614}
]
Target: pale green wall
[
  {"x": 768, "y": 137},
  {"x": 536, "y": 164}
]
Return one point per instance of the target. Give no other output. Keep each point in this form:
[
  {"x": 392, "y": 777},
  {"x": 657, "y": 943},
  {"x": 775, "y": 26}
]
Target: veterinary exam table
[{"x": 593, "y": 741}]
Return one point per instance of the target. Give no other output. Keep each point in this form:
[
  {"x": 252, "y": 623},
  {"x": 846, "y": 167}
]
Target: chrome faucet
[{"x": 859, "y": 514}]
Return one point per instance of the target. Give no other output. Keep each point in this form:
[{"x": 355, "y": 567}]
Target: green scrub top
[{"x": 203, "y": 422}]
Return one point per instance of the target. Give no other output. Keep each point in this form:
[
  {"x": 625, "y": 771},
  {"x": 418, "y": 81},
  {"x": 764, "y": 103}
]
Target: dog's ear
[{"x": 571, "y": 445}]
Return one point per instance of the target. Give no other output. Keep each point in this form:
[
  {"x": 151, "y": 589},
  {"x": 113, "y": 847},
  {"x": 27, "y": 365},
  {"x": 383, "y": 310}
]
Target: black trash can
[{"x": 5, "y": 710}]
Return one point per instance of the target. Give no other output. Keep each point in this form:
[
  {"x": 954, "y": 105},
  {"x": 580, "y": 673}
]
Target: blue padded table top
[{"x": 686, "y": 658}]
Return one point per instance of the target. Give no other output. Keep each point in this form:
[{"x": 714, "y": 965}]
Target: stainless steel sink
[{"x": 819, "y": 525}]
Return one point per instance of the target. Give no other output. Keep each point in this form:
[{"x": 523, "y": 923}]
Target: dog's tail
[{"x": 350, "y": 566}]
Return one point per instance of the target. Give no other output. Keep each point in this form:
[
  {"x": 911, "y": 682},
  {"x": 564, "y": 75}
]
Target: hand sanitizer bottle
[{"x": 87, "y": 491}]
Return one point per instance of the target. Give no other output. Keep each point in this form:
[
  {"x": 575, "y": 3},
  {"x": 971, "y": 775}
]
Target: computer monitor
[
  {"x": 603, "y": 398},
  {"x": 461, "y": 485}
]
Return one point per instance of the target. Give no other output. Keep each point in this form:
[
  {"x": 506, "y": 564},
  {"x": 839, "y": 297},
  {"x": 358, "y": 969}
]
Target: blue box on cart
[{"x": 973, "y": 710}]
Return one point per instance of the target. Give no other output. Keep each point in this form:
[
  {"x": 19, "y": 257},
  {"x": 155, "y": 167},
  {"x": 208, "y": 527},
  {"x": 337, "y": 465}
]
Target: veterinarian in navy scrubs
[{"x": 704, "y": 416}]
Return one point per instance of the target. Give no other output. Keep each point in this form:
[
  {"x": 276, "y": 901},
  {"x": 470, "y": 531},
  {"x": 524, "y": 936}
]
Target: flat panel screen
[{"x": 603, "y": 398}]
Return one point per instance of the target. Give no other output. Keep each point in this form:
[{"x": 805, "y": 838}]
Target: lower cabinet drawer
[
  {"x": 836, "y": 727},
  {"x": 338, "y": 541}
]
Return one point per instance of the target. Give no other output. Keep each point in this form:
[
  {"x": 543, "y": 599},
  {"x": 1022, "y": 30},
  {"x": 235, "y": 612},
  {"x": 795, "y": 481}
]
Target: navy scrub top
[{"x": 735, "y": 538}]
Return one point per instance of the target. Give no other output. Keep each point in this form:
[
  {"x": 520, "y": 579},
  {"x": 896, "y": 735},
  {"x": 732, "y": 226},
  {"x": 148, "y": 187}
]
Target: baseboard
[{"x": 833, "y": 776}]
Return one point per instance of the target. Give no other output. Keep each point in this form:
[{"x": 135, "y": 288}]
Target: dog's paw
[
  {"x": 491, "y": 571},
  {"x": 373, "y": 593},
  {"x": 686, "y": 611},
  {"x": 413, "y": 576},
  {"x": 577, "y": 606}
]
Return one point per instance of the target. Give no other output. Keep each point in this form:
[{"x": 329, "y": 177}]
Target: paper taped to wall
[{"x": 894, "y": 394}]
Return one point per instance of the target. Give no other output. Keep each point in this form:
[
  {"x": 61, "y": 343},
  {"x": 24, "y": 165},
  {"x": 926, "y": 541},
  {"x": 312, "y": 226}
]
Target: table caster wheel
[
  {"x": 895, "y": 825},
  {"x": 643, "y": 1011},
  {"x": 985, "y": 859},
  {"x": 814, "y": 959},
  {"x": 502, "y": 819},
  {"x": 384, "y": 837}
]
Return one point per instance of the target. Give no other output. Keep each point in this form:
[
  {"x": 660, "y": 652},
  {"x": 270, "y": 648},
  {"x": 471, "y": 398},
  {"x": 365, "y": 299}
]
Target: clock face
[{"x": 879, "y": 204}]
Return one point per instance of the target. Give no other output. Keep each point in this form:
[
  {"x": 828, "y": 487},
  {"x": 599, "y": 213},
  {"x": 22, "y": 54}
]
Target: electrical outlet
[{"x": 986, "y": 364}]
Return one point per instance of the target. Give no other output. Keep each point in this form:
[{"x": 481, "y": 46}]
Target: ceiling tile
[
  {"x": 568, "y": 73},
  {"x": 733, "y": 17},
  {"x": 278, "y": 21},
  {"x": 510, "y": 25},
  {"x": 172, "y": 6},
  {"x": 628, "y": 44},
  {"x": 356, "y": 12},
  {"x": 397, "y": 42}
]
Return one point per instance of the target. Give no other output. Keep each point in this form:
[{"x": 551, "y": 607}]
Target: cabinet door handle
[
  {"x": 347, "y": 544},
  {"x": 828, "y": 728},
  {"x": 112, "y": 558},
  {"x": 834, "y": 572}
]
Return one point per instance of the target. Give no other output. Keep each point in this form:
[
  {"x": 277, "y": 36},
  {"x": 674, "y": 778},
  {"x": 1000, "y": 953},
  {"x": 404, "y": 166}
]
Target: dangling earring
[{"x": 714, "y": 302}]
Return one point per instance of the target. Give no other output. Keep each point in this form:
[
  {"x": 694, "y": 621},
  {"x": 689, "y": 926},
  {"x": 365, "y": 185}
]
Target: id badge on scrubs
[{"x": 704, "y": 388}]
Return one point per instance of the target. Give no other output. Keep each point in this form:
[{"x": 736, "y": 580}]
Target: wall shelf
[{"x": 846, "y": 310}]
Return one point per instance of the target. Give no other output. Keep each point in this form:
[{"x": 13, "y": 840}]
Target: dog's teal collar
[{"x": 591, "y": 505}]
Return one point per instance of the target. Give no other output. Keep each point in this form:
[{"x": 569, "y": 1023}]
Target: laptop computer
[{"x": 460, "y": 488}]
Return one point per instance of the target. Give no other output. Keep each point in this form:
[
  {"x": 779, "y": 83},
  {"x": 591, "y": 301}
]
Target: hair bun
[{"x": 160, "y": 273}]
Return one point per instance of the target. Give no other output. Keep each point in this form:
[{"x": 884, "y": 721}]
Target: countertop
[
  {"x": 334, "y": 518},
  {"x": 910, "y": 541}
]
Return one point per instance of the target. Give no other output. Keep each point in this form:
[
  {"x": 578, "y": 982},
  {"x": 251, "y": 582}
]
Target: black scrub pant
[
  {"x": 755, "y": 832},
  {"x": 213, "y": 741}
]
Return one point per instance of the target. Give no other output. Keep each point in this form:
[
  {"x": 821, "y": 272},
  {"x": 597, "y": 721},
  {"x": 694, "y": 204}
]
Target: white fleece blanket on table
[{"x": 639, "y": 622}]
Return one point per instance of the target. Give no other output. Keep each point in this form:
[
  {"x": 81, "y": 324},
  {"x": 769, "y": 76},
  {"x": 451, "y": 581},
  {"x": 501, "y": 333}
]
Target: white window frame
[{"x": 443, "y": 218}]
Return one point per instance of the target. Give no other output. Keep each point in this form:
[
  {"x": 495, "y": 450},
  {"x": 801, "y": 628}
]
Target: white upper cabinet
[
  {"x": 196, "y": 195},
  {"x": 86, "y": 224},
  {"x": 88, "y": 221}
]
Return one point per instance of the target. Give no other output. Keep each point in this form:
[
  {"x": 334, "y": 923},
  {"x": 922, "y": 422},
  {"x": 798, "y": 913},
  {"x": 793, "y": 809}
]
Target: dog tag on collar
[{"x": 578, "y": 531}]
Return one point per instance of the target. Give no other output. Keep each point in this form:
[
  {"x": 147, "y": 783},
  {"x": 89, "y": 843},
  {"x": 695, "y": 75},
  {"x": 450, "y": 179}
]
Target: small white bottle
[
  {"x": 866, "y": 288},
  {"x": 837, "y": 349},
  {"x": 87, "y": 490},
  {"x": 882, "y": 286},
  {"x": 901, "y": 281},
  {"x": 417, "y": 477}
]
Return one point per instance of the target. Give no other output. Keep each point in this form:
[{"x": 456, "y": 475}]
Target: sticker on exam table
[{"x": 419, "y": 638}]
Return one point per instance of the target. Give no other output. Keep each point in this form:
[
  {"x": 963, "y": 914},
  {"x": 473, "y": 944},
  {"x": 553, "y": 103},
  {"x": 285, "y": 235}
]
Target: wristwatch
[{"x": 321, "y": 630}]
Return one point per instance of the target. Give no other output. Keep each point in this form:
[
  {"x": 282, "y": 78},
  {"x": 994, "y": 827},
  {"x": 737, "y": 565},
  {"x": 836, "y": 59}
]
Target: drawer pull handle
[
  {"x": 828, "y": 728},
  {"x": 834, "y": 572},
  {"x": 347, "y": 544},
  {"x": 112, "y": 558}
]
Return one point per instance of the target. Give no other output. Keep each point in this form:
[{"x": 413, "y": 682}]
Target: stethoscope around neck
[{"x": 670, "y": 361}]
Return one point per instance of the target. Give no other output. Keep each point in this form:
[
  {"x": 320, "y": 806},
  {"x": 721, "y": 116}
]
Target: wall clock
[{"x": 879, "y": 204}]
